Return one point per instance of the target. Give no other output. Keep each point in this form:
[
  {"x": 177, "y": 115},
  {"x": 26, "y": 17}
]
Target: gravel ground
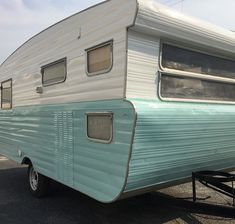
[{"x": 66, "y": 206}]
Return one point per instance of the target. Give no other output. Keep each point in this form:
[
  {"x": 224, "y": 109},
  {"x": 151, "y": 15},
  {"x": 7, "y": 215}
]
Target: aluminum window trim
[
  {"x": 192, "y": 74},
  {"x": 51, "y": 64},
  {"x": 195, "y": 48},
  {"x": 95, "y": 139},
  {"x": 179, "y": 73},
  {"x": 8, "y": 80},
  {"x": 189, "y": 100},
  {"x": 104, "y": 71}
]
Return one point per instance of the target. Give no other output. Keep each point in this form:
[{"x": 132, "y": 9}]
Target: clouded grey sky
[{"x": 21, "y": 19}]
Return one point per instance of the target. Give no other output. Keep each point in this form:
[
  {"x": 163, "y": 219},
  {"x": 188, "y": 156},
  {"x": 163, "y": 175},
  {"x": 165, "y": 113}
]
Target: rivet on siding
[
  {"x": 79, "y": 33},
  {"x": 39, "y": 90},
  {"x": 19, "y": 153}
]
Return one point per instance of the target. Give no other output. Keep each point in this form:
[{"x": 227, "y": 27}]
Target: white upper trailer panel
[
  {"x": 156, "y": 24},
  {"x": 107, "y": 21},
  {"x": 156, "y": 19},
  {"x": 69, "y": 39}
]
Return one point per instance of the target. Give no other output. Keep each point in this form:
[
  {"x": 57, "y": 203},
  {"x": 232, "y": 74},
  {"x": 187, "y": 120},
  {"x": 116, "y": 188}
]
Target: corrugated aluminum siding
[
  {"x": 107, "y": 21},
  {"x": 157, "y": 19},
  {"x": 173, "y": 139},
  {"x": 142, "y": 69},
  {"x": 54, "y": 138}
]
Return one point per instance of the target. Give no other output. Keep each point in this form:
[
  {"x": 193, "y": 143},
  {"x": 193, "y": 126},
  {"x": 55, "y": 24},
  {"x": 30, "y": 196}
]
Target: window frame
[
  {"x": 51, "y": 64},
  {"x": 8, "y": 80},
  {"x": 189, "y": 100},
  {"x": 104, "y": 71},
  {"x": 175, "y": 72},
  {"x": 193, "y": 74},
  {"x": 111, "y": 128}
]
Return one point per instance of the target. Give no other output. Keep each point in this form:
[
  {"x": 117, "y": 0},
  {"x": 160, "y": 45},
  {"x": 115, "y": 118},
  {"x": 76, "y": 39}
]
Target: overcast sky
[{"x": 21, "y": 19}]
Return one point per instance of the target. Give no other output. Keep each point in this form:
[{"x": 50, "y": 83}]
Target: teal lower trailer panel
[
  {"x": 172, "y": 139},
  {"x": 154, "y": 143},
  {"x": 54, "y": 138}
]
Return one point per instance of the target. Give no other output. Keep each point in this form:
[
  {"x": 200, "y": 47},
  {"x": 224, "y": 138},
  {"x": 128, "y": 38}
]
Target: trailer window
[
  {"x": 176, "y": 87},
  {"x": 54, "y": 73},
  {"x": 191, "y": 61},
  {"x": 6, "y": 94},
  {"x": 99, "y": 59},
  {"x": 100, "y": 127}
]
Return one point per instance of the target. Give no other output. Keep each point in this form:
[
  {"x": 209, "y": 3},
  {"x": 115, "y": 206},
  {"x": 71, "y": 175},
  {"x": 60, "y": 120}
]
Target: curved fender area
[
  {"x": 54, "y": 138},
  {"x": 173, "y": 139},
  {"x": 100, "y": 170}
]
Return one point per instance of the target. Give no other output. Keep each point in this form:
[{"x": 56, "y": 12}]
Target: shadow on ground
[{"x": 67, "y": 206}]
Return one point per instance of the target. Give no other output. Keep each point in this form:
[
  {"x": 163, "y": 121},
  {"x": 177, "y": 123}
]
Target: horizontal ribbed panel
[
  {"x": 54, "y": 138},
  {"x": 173, "y": 139},
  {"x": 157, "y": 19},
  {"x": 142, "y": 67},
  {"x": 70, "y": 38}
]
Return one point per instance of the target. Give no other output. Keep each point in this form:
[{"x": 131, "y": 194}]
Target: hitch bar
[{"x": 215, "y": 180}]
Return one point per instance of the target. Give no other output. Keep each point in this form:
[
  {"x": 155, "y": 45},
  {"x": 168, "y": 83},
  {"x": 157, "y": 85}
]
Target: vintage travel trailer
[{"x": 120, "y": 99}]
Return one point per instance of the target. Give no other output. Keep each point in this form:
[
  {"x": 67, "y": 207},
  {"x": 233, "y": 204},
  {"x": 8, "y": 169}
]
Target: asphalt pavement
[{"x": 66, "y": 206}]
